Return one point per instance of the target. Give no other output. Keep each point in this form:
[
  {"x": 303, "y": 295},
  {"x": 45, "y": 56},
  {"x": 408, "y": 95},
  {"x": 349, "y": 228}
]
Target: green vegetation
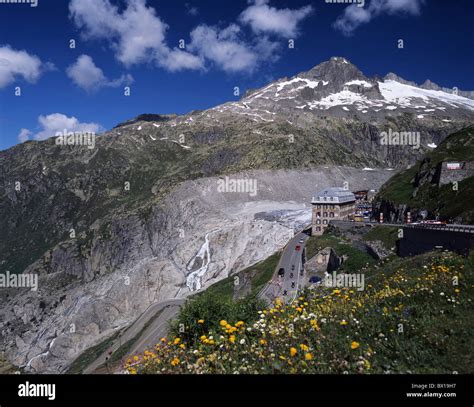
[
  {"x": 204, "y": 312},
  {"x": 414, "y": 316},
  {"x": 219, "y": 300},
  {"x": 125, "y": 348},
  {"x": 356, "y": 259},
  {"x": 91, "y": 354},
  {"x": 254, "y": 277},
  {"x": 388, "y": 235},
  {"x": 442, "y": 200},
  {"x": 399, "y": 188}
]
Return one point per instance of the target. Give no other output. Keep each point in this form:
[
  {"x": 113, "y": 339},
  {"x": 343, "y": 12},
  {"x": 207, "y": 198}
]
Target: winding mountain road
[
  {"x": 291, "y": 260},
  {"x": 156, "y": 330}
]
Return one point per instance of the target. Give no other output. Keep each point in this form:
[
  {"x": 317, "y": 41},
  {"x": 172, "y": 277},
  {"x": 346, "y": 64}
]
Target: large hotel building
[{"x": 331, "y": 204}]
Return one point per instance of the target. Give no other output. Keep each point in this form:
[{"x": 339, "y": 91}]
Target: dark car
[
  {"x": 291, "y": 275},
  {"x": 292, "y": 284},
  {"x": 281, "y": 272},
  {"x": 292, "y": 267},
  {"x": 314, "y": 279}
]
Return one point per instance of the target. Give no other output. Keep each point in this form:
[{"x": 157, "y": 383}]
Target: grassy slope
[
  {"x": 410, "y": 318},
  {"x": 399, "y": 189},
  {"x": 356, "y": 260},
  {"x": 259, "y": 274},
  {"x": 91, "y": 354},
  {"x": 387, "y": 235},
  {"x": 218, "y": 301}
]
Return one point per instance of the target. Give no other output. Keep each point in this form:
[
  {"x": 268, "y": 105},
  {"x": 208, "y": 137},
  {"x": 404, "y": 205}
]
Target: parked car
[
  {"x": 315, "y": 279},
  {"x": 281, "y": 272}
]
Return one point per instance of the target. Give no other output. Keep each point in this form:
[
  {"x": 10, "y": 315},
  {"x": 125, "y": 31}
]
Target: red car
[{"x": 297, "y": 248}]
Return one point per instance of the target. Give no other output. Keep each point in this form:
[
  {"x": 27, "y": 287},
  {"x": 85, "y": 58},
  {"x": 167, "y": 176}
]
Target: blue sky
[{"x": 227, "y": 44}]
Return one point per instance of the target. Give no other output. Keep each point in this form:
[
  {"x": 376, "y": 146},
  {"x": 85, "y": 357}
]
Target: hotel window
[
  {"x": 325, "y": 215},
  {"x": 331, "y": 215},
  {"x": 325, "y": 222}
]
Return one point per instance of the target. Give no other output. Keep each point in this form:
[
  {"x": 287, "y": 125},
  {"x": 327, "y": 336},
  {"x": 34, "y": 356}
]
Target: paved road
[
  {"x": 452, "y": 227},
  {"x": 291, "y": 282},
  {"x": 137, "y": 327},
  {"x": 157, "y": 330},
  {"x": 293, "y": 279}
]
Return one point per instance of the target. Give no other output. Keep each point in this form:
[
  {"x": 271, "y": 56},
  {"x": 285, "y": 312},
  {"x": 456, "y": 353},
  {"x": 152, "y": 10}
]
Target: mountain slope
[
  {"x": 421, "y": 187},
  {"x": 144, "y": 205}
]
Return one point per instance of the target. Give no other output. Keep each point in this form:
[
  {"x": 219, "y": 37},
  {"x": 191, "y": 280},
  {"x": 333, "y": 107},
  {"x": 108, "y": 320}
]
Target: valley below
[
  {"x": 164, "y": 206},
  {"x": 194, "y": 238}
]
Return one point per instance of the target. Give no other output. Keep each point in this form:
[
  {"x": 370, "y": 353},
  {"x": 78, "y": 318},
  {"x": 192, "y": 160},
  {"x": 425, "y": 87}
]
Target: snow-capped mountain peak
[{"x": 338, "y": 88}]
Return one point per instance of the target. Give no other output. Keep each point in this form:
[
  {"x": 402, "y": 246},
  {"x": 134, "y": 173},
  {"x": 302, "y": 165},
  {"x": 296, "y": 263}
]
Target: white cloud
[
  {"x": 223, "y": 47},
  {"x": 24, "y": 135},
  {"x": 85, "y": 74},
  {"x": 266, "y": 19},
  {"x": 19, "y": 64},
  {"x": 57, "y": 122},
  {"x": 137, "y": 34},
  {"x": 354, "y": 16},
  {"x": 191, "y": 10},
  {"x": 227, "y": 49}
]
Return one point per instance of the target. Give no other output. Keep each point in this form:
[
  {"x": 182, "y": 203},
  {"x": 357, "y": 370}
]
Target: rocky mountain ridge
[{"x": 139, "y": 218}]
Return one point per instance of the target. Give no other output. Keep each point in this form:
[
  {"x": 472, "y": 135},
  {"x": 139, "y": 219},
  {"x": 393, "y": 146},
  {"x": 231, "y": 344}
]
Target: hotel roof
[{"x": 333, "y": 195}]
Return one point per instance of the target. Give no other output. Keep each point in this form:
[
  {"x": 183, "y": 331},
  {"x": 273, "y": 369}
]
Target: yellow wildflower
[{"x": 175, "y": 362}]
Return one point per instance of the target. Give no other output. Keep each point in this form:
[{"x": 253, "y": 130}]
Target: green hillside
[
  {"x": 416, "y": 187},
  {"x": 415, "y": 316}
]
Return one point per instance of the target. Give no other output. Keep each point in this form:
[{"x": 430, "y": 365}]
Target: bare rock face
[
  {"x": 155, "y": 209},
  {"x": 143, "y": 261}
]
